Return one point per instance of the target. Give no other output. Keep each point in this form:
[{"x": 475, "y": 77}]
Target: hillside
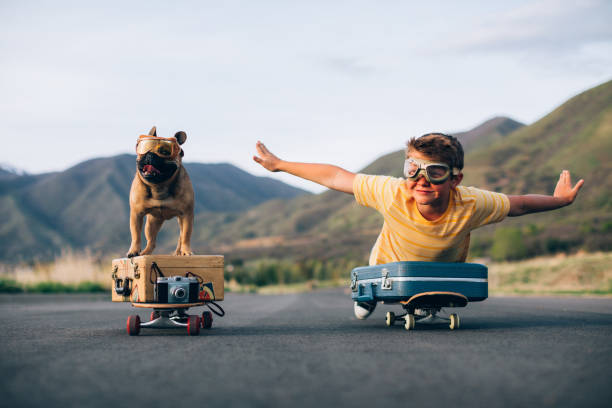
[
  {"x": 87, "y": 205},
  {"x": 487, "y": 133},
  {"x": 576, "y": 136}
]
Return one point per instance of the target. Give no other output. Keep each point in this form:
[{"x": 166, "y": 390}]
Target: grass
[
  {"x": 71, "y": 272},
  {"x": 579, "y": 274}
]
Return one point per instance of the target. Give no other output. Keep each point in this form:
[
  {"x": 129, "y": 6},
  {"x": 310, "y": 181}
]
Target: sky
[{"x": 339, "y": 82}]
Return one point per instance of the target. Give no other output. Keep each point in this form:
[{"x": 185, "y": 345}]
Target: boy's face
[{"x": 426, "y": 193}]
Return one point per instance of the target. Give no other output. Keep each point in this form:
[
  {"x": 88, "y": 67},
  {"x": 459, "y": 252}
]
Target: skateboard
[
  {"x": 424, "y": 308},
  {"x": 172, "y": 316}
]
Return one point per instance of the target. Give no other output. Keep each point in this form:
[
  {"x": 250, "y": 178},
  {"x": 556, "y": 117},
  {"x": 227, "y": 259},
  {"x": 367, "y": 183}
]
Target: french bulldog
[{"x": 161, "y": 190}]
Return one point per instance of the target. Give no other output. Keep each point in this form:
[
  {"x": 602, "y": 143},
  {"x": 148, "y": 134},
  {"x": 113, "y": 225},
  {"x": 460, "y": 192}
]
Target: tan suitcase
[{"x": 134, "y": 278}]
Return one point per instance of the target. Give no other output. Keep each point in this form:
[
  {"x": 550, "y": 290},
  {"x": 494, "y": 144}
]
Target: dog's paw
[
  {"x": 183, "y": 253},
  {"x": 132, "y": 254}
]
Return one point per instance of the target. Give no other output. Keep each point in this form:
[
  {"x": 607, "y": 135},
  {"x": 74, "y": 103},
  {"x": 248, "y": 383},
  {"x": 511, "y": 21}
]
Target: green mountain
[
  {"x": 576, "y": 136},
  {"x": 488, "y": 133},
  {"x": 87, "y": 205}
]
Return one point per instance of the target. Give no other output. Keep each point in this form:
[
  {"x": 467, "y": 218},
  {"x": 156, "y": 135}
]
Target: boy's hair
[{"x": 438, "y": 146}]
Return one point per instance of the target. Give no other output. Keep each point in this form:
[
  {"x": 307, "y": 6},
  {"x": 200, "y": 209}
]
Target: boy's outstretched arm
[
  {"x": 327, "y": 175},
  {"x": 564, "y": 195}
]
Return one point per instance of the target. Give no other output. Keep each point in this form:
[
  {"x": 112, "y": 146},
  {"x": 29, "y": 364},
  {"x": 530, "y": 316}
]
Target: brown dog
[{"x": 161, "y": 190}]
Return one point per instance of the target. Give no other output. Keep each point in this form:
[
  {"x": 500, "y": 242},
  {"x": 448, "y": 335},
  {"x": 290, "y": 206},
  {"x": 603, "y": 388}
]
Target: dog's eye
[{"x": 164, "y": 150}]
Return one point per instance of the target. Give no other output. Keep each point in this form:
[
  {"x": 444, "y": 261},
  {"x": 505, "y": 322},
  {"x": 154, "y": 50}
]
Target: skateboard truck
[
  {"x": 424, "y": 308},
  {"x": 171, "y": 316}
]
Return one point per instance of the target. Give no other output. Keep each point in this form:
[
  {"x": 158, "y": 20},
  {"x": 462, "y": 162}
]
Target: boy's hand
[
  {"x": 564, "y": 195},
  {"x": 564, "y": 191},
  {"x": 266, "y": 158}
]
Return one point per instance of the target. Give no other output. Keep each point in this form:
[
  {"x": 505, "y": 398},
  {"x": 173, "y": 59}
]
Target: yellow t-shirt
[{"x": 407, "y": 236}]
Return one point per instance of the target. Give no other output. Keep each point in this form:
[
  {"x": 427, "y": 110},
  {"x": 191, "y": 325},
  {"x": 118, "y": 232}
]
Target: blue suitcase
[
  {"x": 423, "y": 289},
  {"x": 399, "y": 281}
]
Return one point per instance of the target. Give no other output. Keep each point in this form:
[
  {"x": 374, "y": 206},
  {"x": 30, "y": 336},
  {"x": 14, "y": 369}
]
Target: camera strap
[
  {"x": 199, "y": 278},
  {"x": 158, "y": 272},
  {"x": 219, "y": 310}
]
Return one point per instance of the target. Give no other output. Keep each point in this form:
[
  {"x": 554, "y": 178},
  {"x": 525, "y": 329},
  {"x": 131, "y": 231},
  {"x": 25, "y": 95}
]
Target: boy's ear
[{"x": 456, "y": 180}]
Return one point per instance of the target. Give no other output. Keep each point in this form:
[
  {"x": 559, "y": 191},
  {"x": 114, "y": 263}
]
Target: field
[{"x": 577, "y": 274}]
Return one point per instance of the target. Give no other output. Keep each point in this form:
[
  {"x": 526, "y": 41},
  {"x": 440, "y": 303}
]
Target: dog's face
[{"x": 158, "y": 159}]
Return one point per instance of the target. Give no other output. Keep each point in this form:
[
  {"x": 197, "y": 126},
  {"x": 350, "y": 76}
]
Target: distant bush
[
  {"x": 9, "y": 286},
  {"x": 264, "y": 272},
  {"x": 508, "y": 244},
  {"x": 90, "y": 287},
  {"x": 50, "y": 287}
]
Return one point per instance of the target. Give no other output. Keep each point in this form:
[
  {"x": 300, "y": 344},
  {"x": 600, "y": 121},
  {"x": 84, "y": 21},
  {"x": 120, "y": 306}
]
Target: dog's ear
[
  {"x": 180, "y": 137},
  {"x": 153, "y": 131}
]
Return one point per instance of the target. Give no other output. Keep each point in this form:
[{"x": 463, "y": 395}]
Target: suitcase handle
[
  {"x": 123, "y": 287},
  {"x": 365, "y": 292}
]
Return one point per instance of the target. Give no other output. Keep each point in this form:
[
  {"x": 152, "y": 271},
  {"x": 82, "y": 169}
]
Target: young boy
[{"x": 428, "y": 216}]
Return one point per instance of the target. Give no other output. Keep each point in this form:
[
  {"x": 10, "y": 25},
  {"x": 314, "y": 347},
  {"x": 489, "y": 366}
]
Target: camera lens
[{"x": 179, "y": 293}]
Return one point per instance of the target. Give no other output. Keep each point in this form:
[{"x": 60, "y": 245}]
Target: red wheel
[
  {"x": 193, "y": 326},
  {"x": 133, "y": 325},
  {"x": 207, "y": 319},
  {"x": 154, "y": 315}
]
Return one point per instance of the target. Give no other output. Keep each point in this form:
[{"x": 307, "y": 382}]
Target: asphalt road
[{"x": 306, "y": 350}]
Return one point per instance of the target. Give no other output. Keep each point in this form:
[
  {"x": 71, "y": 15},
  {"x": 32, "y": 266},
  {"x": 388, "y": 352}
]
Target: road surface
[{"x": 305, "y": 350}]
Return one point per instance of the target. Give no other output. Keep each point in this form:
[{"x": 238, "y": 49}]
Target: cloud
[
  {"x": 546, "y": 26},
  {"x": 351, "y": 66}
]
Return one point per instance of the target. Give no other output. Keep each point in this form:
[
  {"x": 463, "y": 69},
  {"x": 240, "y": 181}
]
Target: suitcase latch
[
  {"x": 123, "y": 287},
  {"x": 354, "y": 282},
  {"x": 386, "y": 283}
]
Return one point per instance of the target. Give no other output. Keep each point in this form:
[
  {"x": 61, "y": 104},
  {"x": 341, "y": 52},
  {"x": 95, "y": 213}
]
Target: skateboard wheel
[
  {"x": 193, "y": 325},
  {"x": 409, "y": 325},
  {"x": 133, "y": 325},
  {"x": 454, "y": 321},
  {"x": 390, "y": 318},
  {"x": 207, "y": 320},
  {"x": 154, "y": 315}
]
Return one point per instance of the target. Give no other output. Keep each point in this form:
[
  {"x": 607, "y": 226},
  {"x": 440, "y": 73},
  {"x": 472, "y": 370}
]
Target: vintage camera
[{"x": 177, "y": 289}]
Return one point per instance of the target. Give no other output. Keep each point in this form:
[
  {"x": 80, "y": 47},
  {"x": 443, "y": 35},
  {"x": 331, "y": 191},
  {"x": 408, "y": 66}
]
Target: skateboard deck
[
  {"x": 435, "y": 300},
  {"x": 167, "y": 305}
]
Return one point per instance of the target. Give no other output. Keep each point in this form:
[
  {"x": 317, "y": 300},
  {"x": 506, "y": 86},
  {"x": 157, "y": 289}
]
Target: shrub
[
  {"x": 508, "y": 244},
  {"x": 9, "y": 286},
  {"x": 90, "y": 287},
  {"x": 50, "y": 287}
]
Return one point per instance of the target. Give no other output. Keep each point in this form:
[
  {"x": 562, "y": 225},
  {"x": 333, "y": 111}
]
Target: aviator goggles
[
  {"x": 434, "y": 173},
  {"x": 166, "y": 147}
]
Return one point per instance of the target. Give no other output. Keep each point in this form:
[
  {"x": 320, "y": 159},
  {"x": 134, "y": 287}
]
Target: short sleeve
[
  {"x": 489, "y": 207},
  {"x": 375, "y": 191}
]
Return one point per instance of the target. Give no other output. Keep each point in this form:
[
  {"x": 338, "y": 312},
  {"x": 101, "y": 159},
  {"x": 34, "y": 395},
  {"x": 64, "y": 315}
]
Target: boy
[{"x": 427, "y": 215}]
